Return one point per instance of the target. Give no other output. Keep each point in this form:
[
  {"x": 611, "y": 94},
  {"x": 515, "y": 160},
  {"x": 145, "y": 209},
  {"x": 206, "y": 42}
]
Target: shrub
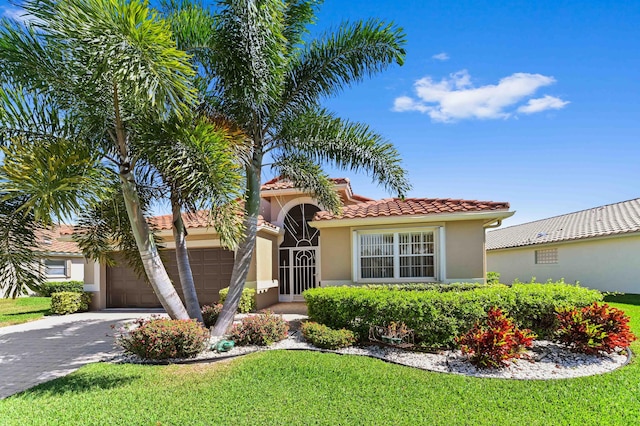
[
  {"x": 438, "y": 317},
  {"x": 594, "y": 329},
  {"x": 262, "y": 329},
  {"x": 493, "y": 277},
  {"x": 324, "y": 337},
  {"x": 247, "y": 300},
  {"x": 210, "y": 314},
  {"x": 68, "y": 302},
  {"x": 495, "y": 340},
  {"x": 159, "y": 339},
  {"x": 48, "y": 288}
]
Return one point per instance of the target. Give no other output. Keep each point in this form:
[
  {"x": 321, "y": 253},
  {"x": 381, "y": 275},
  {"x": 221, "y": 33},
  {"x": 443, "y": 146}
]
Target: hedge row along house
[{"x": 300, "y": 246}]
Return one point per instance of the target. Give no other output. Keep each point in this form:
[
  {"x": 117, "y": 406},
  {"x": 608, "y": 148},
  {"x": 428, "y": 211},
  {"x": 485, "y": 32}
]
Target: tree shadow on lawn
[
  {"x": 624, "y": 298},
  {"x": 76, "y": 383}
]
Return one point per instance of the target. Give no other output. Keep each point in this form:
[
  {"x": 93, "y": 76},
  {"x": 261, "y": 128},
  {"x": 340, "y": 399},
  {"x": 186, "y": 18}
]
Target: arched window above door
[{"x": 297, "y": 232}]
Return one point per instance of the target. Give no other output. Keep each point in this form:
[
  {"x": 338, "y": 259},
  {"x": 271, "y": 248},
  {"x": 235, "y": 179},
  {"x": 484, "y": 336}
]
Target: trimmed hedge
[
  {"x": 439, "y": 287},
  {"x": 68, "y": 302},
  {"x": 437, "y": 318},
  {"x": 48, "y": 288},
  {"x": 247, "y": 300},
  {"x": 324, "y": 337}
]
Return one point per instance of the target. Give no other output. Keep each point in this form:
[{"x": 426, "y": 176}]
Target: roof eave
[{"x": 409, "y": 219}]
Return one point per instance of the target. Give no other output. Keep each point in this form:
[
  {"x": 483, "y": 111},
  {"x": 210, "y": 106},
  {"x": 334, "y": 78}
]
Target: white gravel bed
[{"x": 546, "y": 360}]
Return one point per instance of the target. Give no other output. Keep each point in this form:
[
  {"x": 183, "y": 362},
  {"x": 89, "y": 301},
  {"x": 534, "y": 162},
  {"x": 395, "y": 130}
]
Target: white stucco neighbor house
[{"x": 599, "y": 247}]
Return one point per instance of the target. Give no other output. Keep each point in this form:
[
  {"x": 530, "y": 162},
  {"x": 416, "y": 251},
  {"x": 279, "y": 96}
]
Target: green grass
[
  {"x": 302, "y": 388},
  {"x": 23, "y": 309}
]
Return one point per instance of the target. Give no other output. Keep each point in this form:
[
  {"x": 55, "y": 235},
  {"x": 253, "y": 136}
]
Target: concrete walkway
[{"x": 39, "y": 351}]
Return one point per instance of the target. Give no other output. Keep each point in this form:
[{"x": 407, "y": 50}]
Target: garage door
[{"x": 211, "y": 271}]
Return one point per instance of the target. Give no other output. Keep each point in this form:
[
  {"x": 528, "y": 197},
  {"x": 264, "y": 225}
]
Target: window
[
  {"x": 55, "y": 267},
  {"x": 546, "y": 256},
  {"x": 396, "y": 255}
]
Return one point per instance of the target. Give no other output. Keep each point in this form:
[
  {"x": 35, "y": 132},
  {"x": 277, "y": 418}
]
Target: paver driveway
[{"x": 42, "y": 350}]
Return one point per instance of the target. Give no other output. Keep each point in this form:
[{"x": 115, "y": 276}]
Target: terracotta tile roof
[
  {"x": 611, "y": 219},
  {"x": 361, "y": 198},
  {"x": 280, "y": 183},
  {"x": 199, "y": 219},
  {"x": 48, "y": 241},
  {"x": 411, "y": 206}
]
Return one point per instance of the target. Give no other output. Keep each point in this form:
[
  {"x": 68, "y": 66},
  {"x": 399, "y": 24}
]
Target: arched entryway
[{"x": 298, "y": 253}]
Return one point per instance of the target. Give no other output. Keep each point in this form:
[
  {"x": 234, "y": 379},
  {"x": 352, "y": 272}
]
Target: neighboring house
[
  {"x": 599, "y": 247},
  {"x": 61, "y": 260},
  {"x": 300, "y": 246}
]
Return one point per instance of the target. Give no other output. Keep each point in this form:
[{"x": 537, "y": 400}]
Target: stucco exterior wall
[
  {"x": 608, "y": 264},
  {"x": 464, "y": 250},
  {"x": 335, "y": 255}
]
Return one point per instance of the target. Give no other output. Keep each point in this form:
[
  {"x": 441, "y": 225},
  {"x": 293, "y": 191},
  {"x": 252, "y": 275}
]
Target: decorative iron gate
[{"x": 298, "y": 253}]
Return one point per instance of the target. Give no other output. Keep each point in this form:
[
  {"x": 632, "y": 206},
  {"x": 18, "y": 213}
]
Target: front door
[
  {"x": 298, "y": 272},
  {"x": 298, "y": 254}
]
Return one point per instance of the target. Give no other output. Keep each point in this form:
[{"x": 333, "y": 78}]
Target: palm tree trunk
[
  {"x": 184, "y": 265},
  {"x": 153, "y": 266},
  {"x": 245, "y": 249}
]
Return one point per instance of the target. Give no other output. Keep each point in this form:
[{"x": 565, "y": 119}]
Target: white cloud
[
  {"x": 456, "y": 98},
  {"x": 443, "y": 56},
  {"x": 542, "y": 104}
]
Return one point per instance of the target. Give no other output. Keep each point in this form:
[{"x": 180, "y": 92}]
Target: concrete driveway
[{"x": 42, "y": 350}]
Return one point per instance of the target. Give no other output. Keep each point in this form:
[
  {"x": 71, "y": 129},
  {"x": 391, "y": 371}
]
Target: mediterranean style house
[
  {"x": 598, "y": 247},
  {"x": 300, "y": 246}
]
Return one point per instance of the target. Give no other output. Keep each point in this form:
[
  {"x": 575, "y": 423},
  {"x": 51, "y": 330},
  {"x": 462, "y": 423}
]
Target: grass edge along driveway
[
  {"x": 23, "y": 309},
  {"x": 297, "y": 387}
]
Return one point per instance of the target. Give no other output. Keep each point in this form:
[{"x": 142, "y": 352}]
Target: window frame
[
  {"x": 64, "y": 266},
  {"x": 357, "y": 260},
  {"x": 549, "y": 250}
]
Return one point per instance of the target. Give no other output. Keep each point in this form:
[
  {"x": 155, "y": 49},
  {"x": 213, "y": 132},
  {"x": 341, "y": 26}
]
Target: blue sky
[
  {"x": 577, "y": 147},
  {"x": 535, "y": 103}
]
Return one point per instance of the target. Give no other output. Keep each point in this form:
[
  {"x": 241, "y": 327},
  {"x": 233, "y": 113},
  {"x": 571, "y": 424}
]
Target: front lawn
[
  {"x": 23, "y": 309},
  {"x": 298, "y": 387}
]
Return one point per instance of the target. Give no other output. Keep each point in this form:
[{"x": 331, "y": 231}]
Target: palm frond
[
  {"x": 309, "y": 176},
  {"x": 19, "y": 268},
  {"x": 336, "y": 60},
  {"x": 349, "y": 145},
  {"x": 53, "y": 178},
  {"x": 299, "y": 14}
]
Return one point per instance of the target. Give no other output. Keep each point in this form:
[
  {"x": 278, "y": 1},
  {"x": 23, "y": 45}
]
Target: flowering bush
[
  {"x": 494, "y": 341},
  {"x": 324, "y": 337},
  {"x": 159, "y": 338},
  {"x": 262, "y": 330},
  {"x": 594, "y": 329},
  {"x": 210, "y": 314}
]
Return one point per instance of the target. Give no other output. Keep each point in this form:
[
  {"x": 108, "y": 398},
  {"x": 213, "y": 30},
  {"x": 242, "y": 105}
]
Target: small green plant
[
  {"x": 159, "y": 338},
  {"x": 247, "y": 300},
  {"x": 210, "y": 314},
  {"x": 262, "y": 329},
  {"x": 48, "y": 288},
  {"x": 594, "y": 329},
  {"x": 68, "y": 302},
  {"x": 493, "y": 277},
  {"x": 324, "y": 337},
  {"x": 494, "y": 341}
]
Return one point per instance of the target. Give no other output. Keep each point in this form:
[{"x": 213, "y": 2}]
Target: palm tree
[
  {"x": 264, "y": 75},
  {"x": 103, "y": 72}
]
